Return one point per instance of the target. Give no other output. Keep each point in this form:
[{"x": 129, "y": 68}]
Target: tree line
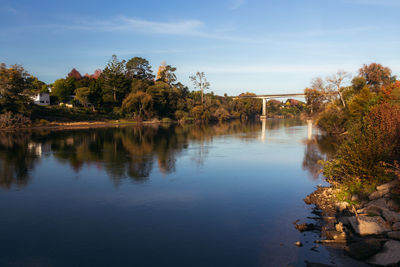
[{"x": 129, "y": 89}]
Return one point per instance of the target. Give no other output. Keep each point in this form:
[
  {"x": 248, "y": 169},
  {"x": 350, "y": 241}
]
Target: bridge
[{"x": 265, "y": 97}]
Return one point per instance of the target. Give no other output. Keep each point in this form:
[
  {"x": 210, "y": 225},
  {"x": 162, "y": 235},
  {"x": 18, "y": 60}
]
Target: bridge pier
[
  {"x": 264, "y": 109},
  {"x": 309, "y": 129},
  {"x": 264, "y": 122}
]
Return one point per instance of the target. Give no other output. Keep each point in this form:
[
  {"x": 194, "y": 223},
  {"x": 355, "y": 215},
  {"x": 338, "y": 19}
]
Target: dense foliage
[
  {"x": 365, "y": 120},
  {"x": 128, "y": 89}
]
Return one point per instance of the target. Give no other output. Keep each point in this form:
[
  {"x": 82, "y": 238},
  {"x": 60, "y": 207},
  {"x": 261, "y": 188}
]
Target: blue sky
[{"x": 270, "y": 46}]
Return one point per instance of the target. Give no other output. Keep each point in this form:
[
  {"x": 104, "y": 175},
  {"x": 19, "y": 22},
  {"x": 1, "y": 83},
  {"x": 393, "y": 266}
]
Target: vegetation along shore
[
  {"x": 123, "y": 90},
  {"x": 360, "y": 210}
]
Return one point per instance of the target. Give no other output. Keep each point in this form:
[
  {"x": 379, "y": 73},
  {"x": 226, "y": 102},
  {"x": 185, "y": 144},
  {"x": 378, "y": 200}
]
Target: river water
[{"x": 159, "y": 195}]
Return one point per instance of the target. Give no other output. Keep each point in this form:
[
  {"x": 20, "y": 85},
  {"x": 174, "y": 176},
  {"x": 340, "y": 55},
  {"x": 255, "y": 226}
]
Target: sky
[{"x": 265, "y": 46}]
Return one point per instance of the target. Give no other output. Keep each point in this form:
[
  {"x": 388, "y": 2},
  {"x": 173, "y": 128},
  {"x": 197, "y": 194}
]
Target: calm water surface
[{"x": 217, "y": 195}]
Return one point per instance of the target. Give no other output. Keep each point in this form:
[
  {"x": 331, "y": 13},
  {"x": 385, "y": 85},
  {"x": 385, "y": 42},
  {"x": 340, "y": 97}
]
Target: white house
[{"x": 42, "y": 99}]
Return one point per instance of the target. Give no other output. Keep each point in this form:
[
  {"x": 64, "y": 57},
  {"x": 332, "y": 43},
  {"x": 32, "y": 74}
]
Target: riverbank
[
  {"x": 367, "y": 230},
  {"x": 86, "y": 124}
]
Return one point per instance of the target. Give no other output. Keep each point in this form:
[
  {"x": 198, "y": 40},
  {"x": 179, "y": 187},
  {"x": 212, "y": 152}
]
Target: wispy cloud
[
  {"x": 122, "y": 24},
  {"x": 125, "y": 24},
  {"x": 235, "y": 4}
]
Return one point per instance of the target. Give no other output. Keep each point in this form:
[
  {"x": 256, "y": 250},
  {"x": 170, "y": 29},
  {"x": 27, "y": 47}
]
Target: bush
[
  {"x": 43, "y": 122},
  {"x": 166, "y": 120},
  {"x": 332, "y": 120},
  {"x": 181, "y": 115},
  {"x": 10, "y": 120},
  {"x": 373, "y": 141},
  {"x": 222, "y": 114}
]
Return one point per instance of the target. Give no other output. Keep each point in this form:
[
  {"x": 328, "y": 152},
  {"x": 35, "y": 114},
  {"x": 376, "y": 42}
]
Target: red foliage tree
[
  {"x": 376, "y": 75},
  {"x": 75, "y": 74}
]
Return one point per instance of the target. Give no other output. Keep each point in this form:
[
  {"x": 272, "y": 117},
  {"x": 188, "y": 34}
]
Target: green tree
[
  {"x": 139, "y": 68},
  {"x": 61, "y": 90},
  {"x": 15, "y": 91},
  {"x": 314, "y": 100},
  {"x": 114, "y": 78},
  {"x": 82, "y": 95},
  {"x": 160, "y": 92},
  {"x": 138, "y": 103},
  {"x": 358, "y": 83},
  {"x": 139, "y": 85}
]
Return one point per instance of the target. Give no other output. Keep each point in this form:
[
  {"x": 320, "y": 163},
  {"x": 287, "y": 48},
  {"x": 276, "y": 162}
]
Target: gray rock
[
  {"x": 363, "y": 249},
  {"x": 388, "y": 256},
  {"x": 388, "y": 186},
  {"x": 391, "y": 216},
  {"x": 369, "y": 225},
  {"x": 380, "y": 202},
  {"x": 378, "y": 194},
  {"x": 340, "y": 227},
  {"x": 394, "y": 235},
  {"x": 335, "y": 235},
  {"x": 299, "y": 244},
  {"x": 344, "y": 220},
  {"x": 393, "y": 205},
  {"x": 396, "y": 226},
  {"x": 371, "y": 210}
]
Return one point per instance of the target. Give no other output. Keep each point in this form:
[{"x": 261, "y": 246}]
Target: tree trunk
[
  {"x": 201, "y": 89},
  {"x": 341, "y": 98}
]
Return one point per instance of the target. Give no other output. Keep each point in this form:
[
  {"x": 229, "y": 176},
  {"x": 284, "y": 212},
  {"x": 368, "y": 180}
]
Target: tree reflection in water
[
  {"x": 126, "y": 152},
  {"x": 318, "y": 148},
  {"x": 123, "y": 152}
]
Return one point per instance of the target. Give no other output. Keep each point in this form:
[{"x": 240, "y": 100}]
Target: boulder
[
  {"x": 364, "y": 248},
  {"x": 303, "y": 227},
  {"x": 341, "y": 206},
  {"x": 391, "y": 216},
  {"x": 340, "y": 227},
  {"x": 394, "y": 235},
  {"x": 396, "y": 226},
  {"x": 388, "y": 186},
  {"x": 371, "y": 210},
  {"x": 335, "y": 235},
  {"x": 378, "y": 194},
  {"x": 388, "y": 256},
  {"x": 393, "y": 205},
  {"x": 380, "y": 202},
  {"x": 299, "y": 244},
  {"x": 365, "y": 225}
]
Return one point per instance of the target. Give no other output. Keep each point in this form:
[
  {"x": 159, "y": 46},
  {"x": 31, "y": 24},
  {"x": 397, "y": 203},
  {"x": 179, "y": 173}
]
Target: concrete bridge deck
[
  {"x": 265, "y": 97},
  {"x": 273, "y": 96}
]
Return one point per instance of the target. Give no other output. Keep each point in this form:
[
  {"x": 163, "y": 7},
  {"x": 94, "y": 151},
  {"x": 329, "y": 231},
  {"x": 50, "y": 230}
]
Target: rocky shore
[{"x": 368, "y": 230}]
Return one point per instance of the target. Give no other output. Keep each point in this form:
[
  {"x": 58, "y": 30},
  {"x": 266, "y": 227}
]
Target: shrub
[
  {"x": 10, "y": 120},
  {"x": 332, "y": 120},
  {"x": 371, "y": 142},
  {"x": 181, "y": 115},
  {"x": 221, "y": 114}
]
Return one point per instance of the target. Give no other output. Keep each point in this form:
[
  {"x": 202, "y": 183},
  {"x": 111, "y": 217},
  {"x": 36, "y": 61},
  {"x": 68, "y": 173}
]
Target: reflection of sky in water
[{"x": 217, "y": 199}]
